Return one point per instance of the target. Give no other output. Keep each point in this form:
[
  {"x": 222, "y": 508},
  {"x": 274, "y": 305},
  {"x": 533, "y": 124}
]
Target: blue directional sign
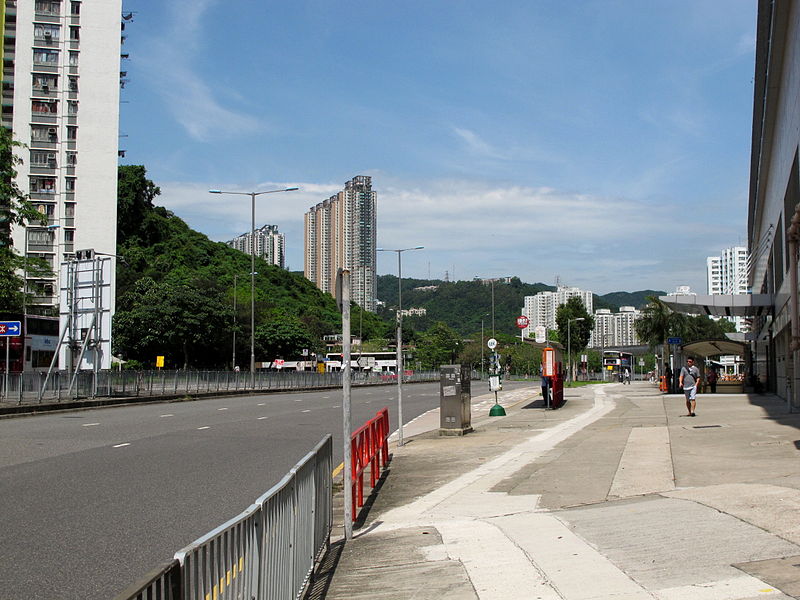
[
  {"x": 10, "y": 328},
  {"x": 675, "y": 341}
]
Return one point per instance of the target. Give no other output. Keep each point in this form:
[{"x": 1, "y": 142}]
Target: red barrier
[{"x": 369, "y": 445}]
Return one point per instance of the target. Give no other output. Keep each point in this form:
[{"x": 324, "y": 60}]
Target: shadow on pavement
[{"x": 323, "y": 575}]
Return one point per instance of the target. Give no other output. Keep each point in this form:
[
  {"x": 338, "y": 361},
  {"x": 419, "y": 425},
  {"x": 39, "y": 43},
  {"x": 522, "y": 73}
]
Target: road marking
[
  {"x": 298, "y": 399},
  {"x": 261, "y": 403},
  {"x": 121, "y": 445},
  {"x": 206, "y": 427},
  {"x": 167, "y": 415},
  {"x": 337, "y": 470},
  {"x": 262, "y": 418},
  {"x": 225, "y": 408},
  {"x": 89, "y": 424},
  {"x": 305, "y": 411},
  {"x": 335, "y": 406}
]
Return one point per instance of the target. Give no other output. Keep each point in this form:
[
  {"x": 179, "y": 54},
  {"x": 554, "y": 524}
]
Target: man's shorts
[{"x": 690, "y": 393}]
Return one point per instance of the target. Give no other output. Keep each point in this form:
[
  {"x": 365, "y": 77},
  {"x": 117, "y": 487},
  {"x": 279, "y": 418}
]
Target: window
[
  {"x": 75, "y": 8},
  {"x": 72, "y": 133},
  {"x": 48, "y": 7},
  {"x": 73, "y": 59},
  {"x": 74, "y": 34},
  {"x": 69, "y": 185},
  {"x": 45, "y": 57},
  {"x": 69, "y": 209},
  {"x": 43, "y": 185},
  {"x": 72, "y": 107},
  {"x": 69, "y": 235},
  {"x": 46, "y": 32},
  {"x": 43, "y": 133},
  {"x": 45, "y": 82},
  {"x": 40, "y": 158},
  {"x": 72, "y": 159},
  {"x": 45, "y": 106},
  {"x": 46, "y": 209},
  {"x": 73, "y": 84}
]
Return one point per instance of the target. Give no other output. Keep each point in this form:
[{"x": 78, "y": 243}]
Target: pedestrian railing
[
  {"x": 369, "y": 446},
  {"x": 60, "y": 386},
  {"x": 268, "y": 552}
]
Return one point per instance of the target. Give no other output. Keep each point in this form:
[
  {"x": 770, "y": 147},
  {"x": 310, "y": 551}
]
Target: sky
[{"x": 601, "y": 143}]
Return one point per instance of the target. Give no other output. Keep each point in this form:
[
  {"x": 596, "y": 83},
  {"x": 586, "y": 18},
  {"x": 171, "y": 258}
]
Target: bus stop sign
[
  {"x": 10, "y": 328},
  {"x": 674, "y": 341}
]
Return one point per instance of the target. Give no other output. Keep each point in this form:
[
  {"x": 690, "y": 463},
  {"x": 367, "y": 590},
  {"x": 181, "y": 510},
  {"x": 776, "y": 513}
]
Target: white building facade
[
  {"x": 541, "y": 309},
  {"x": 615, "y": 329},
  {"x": 728, "y": 274},
  {"x": 270, "y": 244},
  {"x": 61, "y": 88}
]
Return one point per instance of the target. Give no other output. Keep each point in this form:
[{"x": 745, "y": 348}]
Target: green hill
[
  {"x": 175, "y": 293},
  {"x": 635, "y": 299}
]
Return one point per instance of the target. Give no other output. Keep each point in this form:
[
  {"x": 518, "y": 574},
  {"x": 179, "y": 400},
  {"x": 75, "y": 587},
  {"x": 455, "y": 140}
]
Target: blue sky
[{"x": 605, "y": 142}]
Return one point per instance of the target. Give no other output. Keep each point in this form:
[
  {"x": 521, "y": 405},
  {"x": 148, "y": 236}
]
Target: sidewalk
[{"x": 616, "y": 495}]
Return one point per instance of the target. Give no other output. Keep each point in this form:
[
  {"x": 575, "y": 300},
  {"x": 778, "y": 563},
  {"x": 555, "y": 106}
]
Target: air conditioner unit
[
  {"x": 45, "y": 88},
  {"x": 52, "y": 131},
  {"x": 48, "y": 34}
]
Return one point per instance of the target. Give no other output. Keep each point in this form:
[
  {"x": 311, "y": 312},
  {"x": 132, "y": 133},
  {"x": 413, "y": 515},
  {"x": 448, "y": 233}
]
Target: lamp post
[
  {"x": 233, "y": 358},
  {"x": 482, "y": 317},
  {"x": 253, "y": 269},
  {"x": 569, "y": 340},
  {"x": 399, "y": 252}
]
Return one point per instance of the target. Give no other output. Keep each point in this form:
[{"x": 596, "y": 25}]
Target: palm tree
[{"x": 657, "y": 323}]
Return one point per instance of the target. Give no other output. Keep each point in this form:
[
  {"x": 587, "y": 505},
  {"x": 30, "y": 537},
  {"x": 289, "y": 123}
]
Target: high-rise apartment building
[
  {"x": 615, "y": 329},
  {"x": 269, "y": 244},
  {"x": 61, "y": 82},
  {"x": 341, "y": 232},
  {"x": 541, "y": 309},
  {"x": 727, "y": 274}
]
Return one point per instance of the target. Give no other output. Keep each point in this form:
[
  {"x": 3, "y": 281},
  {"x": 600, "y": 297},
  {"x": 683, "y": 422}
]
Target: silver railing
[
  {"x": 37, "y": 387},
  {"x": 268, "y": 552}
]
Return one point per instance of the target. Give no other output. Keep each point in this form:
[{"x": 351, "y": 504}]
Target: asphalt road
[{"x": 90, "y": 501}]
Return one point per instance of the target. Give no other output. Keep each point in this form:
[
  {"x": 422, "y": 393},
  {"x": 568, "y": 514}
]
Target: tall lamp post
[
  {"x": 569, "y": 340},
  {"x": 486, "y": 315},
  {"x": 399, "y": 336},
  {"x": 253, "y": 269}
]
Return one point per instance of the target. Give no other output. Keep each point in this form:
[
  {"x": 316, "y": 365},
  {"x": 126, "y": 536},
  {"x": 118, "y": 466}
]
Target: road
[{"x": 92, "y": 500}]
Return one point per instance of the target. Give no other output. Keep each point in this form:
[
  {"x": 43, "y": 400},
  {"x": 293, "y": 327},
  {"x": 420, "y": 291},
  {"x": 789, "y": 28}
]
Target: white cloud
[
  {"x": 476, "y": 144},
  {"x": 167, "y": 62}
]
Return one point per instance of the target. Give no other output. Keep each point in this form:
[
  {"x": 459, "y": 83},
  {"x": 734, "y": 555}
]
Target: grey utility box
[{"x": 454, "y": 400}]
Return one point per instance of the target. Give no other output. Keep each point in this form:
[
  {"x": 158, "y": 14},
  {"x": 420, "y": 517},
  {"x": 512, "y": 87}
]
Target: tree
[
  {"x": 440, "y": 345},
  {"x": 15, "y": 209},
  {"x": 282, "y": 336},
  {"x": 657, "y": 323},
  {"x": 575, "y": 334}
]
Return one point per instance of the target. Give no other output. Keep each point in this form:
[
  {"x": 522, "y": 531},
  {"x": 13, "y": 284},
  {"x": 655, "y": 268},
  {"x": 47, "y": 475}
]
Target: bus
[
  {"x": 363, "y": 361},
  {"x": 34, "y": 349},
  {"x": 615, "y": 362}
]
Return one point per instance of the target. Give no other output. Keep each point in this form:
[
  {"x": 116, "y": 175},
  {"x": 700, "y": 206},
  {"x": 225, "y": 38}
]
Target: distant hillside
[
  {"x": 462, "y": 304},
  {"x": 635, "y": 299}
]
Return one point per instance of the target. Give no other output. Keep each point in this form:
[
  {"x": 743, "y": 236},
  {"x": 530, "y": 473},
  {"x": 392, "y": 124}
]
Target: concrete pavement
[{"x": 617, "y": 495}]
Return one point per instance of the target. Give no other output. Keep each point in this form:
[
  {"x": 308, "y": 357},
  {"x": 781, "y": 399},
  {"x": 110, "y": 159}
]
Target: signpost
[
  {"x": 522, "y": 323},
  {"x": 9, "y": 329},
  {"x": 674, "y": 341},
  {"x": 540, "y": 333}
]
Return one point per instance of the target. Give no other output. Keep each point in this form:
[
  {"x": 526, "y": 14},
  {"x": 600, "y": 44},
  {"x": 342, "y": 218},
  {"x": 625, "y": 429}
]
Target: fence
[
  {"x": 27, "y": 388},
  {"x": 369, "y": 445},
  {"x": 267, "y": 552}
]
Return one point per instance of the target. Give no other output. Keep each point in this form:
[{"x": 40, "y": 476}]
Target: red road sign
[{"x": 522, "y": 321}]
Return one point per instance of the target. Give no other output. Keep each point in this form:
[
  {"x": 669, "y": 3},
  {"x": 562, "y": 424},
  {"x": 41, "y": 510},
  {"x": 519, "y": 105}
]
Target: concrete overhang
[
  {"x": 706, "y": 348},
  {"x": 721, "y": 305}
]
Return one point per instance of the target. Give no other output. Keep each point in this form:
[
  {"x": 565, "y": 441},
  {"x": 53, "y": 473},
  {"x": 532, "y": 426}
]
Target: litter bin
[{"x": 454, "y": 400}]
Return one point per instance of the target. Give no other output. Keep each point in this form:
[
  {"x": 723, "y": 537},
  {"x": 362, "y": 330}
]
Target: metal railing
[
  {"x": 267, "y": 552},
  {"x": 37, "y": 387}
]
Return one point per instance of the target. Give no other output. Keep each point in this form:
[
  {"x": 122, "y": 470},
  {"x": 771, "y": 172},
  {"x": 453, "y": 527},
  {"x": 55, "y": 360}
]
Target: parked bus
[
  {"x": 34, "y": 349},
  {"x": 615, "y": 363},
  {"x": 363, "y": 361}
]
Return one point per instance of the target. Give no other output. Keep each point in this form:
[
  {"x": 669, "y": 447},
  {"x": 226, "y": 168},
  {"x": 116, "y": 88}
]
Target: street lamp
[
  {"x": 482, "y": 317},
  {"x": 253, "y": 269},
  {"x": 569, "y": 339},
  {"x": 399, "y": 335}
]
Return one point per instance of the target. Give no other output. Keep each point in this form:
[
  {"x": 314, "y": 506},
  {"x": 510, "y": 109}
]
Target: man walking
[{"x": 690, "y": 376}]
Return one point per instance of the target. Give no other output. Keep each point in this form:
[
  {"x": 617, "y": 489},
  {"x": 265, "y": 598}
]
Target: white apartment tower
[
  {"x": 727, "y": 274},
  {"x": 541, "y": 309},
  {"x": 269, "y": 244},
  {"x": 61, "y": 87},
  {"x": 341, "y": 233},
  {"x": 615, "y": 329}
]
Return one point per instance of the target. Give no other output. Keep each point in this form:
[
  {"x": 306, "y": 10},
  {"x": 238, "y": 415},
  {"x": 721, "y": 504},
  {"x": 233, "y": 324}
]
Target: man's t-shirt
[{"x": 690, "y": 376}]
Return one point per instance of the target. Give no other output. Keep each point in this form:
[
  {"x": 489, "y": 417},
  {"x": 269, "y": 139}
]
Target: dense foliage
[
  {"x": 15, "y": 209},
  {"x": 175, "y": 293}
]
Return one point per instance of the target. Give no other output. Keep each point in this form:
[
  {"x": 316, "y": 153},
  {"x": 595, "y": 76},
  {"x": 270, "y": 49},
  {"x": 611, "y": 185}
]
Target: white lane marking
[
  {"x": 225, "y": 408},
  {"x": 335, "y": 406},
  {"x": 121, "y": 445},
  {"x": 206, "y": 427},
  {"x": 167, "y": 415},
  {"x": 262, "y": 418},
  {"x": 305, "y": 411},
  {"x": 261, "y": 403},
  {"x": 298, "y": 399},
  {"x": 89, "y": 424}
]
